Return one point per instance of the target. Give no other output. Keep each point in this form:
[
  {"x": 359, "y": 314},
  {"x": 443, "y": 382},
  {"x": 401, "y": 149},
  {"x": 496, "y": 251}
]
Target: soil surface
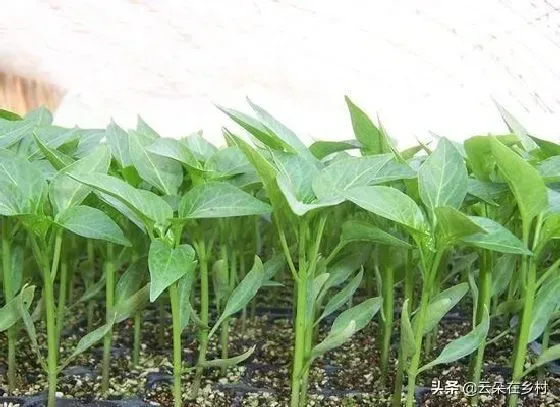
[{"x": 347, "y": 376}]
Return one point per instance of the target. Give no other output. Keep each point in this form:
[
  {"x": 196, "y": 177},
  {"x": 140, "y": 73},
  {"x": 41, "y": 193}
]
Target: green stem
[
  {"x": 62, "y": 290},
  {"x": 91, "y": 303},
  {"x": 52, "y": 355},
  {"x": 109, "y": 304},
  {"x": 397, "y": 392},
  {"x": 484, "y": 297},
  {"x": 387, "y": 327},
  {"x": 177, "y": 345},
  {"x": 204, "y": 304},
  {"x": 300, "y": 338},
  {"x": 9, "y": 295},
  {"x": 529, "y": 272},
  {"x": 161, "y": 324},
  {"x": 429, "y": 275}
]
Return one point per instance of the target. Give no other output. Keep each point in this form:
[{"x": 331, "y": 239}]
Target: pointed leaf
[
  {"x": 167, "y": 265},
  {"x": 243, "y": 293},
  {"x": 452, "y": 225},
  {"x": 546, "y": 302},
  {"x": 389, "y": 203},
  {"x": 361, "y": 314},
  {"x": 219, "y": 200},
  {"x": 408, "y": 342},
  {"x": 463, "y": 346},
  {"x": 342, "y": 297},
  {"x": 11, "y": 312},
  {"x": 91, "y": 223},
  {"x": 440, "y": 305},
  {"x": 359, "y": 231},
  {"x": 233, "y": 361},
  {"x": 496, "y": 238}
]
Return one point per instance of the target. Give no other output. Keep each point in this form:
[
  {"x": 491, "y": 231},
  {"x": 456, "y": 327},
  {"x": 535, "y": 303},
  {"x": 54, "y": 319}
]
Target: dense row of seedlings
[{"x": 189, "y": 223}]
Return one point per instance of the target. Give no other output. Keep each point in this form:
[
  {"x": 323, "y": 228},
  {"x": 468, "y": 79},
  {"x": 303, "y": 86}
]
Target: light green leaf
[
  {"x": 524, "y": 181},
  {"x": 389, "y": 203},
  {"x": 516, "y": 128},
  {"x": 365, "y": 131},
  {"x": 22, "y": 185},
  {"x": 167, "y": 265},
  {"x": 89, "y": 340},
  {"x": 223, "y": 363},
  {"x": 199, "y": 147},
  {"x": 91, "y": 223},
  {"x": 360, "y": 231},
  {"x": 129, "y": 306},
  {"x": 342, "y": 297},
  {"x": 443, "y": 178},
  {"x": 219, "y": 200},
  {"x": 11, "y": 312},
  {"x": 65, "y": 192},
  {"x": 361, "y": 314},
  {"x": 408, "y": 342},
  {"x": 502, "y": 273},
  {"x": 440, "y": 305},
  {"x": 130, "y": 282},
  {"x": 227, "y": 162},
  {"x": 354, "y": 172},
  {"x": 185, "y": 288},
  {"x": 144, "y": 204},
  {"x": 176, "y": 150},
  {"x": 452, "y": 225},
  {"x": 321, "y": 149},
  {"x": 549, "y": 355},
  {"x": 463, "y": 346},
  {"x": 163, "y": 173},
  {"x": 496, "y": 238},
  {"x": 57, "y": 159},
  {"x": 117, "y": 140},
  {"x": 243, "y": 293},
  {"x": 333, "y": 340},
  {"x": 546, "y": 301}
]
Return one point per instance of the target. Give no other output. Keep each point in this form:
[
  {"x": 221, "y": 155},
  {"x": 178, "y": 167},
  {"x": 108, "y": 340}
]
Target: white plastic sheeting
[{"x": 431, "y": 65}]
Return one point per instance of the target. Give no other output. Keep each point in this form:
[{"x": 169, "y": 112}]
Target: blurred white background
[{"x": 421, "y": 66}]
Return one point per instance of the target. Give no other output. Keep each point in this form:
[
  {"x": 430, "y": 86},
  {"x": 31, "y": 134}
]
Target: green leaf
[
  {"x": 440, "y": 305},
  {"x": 175, "y": 150},
  {"x": 65, "y": 192},
  {"x": 163, "y": 173},
  {"x": 486, "y": 191},
  {"x": 243, "y": 293},
  {"x": 313, "y": 290},
  {"x": 361, "y": 314},
  {"x": 389, "y": 203},
  {"x": 462, "y": 346},
  {"x": 550, "y": 169},
  {"x": 548, "y": 355},
  {"x": 443, "y": 178},
  {"x": 11, "y": 312},
  {"x": 516, "y": 128},
  {"x": 7, "y": 115},
  {"x": 496, "y": 238},
  {"x": 360, "y": 231},
  {"x": 479, "y": 157},
  {"x": 32, "y": 334},
  {"x": 219, "y": 200},
  {"x": 129, "y": 306},
  {"x": 22, "y": 185},
  {"x": 340, "y": 271},
  {"x": 365, "y": 131},
  {"x": 146, "y": 205},
  {"x": 354, "y": 172},
  {"x": 502, "y": 273},
  {"x": 117, "y": 140},
  {"x": 13, "y": 131},
  {"x": 89, "y": 340},
  {"x": 199, "y": 147},
  {"x": 233, "y": 361},
  {"x": 227, "y": 162},
  {"x": 408, "y": 342},
  {"x": 91, "y": 223},
  {"x": 130, "y": 282},
  {"x": 452, "y": 225},
  {"x": 524, "y": 181},
  {"x": 273, "y": 265},
  {"x": 57, "y": 159},
  {"x": 342, "y": 297},
  {"x": 333, "y": 340},
  {"x": 185, "y": 288},
  {"x": 546, "y": 301},
  {"x": 322, "y": 149},
  {"x": 167, "y": 265}
]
